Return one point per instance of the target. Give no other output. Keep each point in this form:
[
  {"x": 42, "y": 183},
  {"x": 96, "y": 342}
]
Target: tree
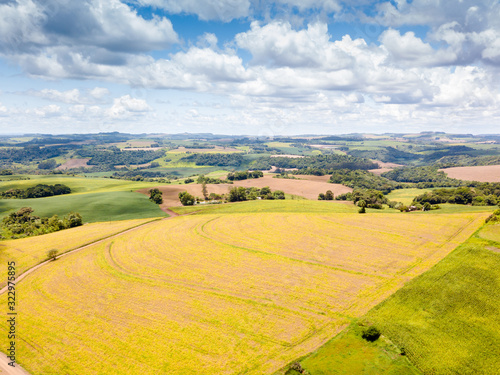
[
  {"x": 52, "y": 254},
  {"x": 73, "y": 219},
  {"x": 321, "y": 197},
  {"x": 47, "y": 164},
  {"x": 371, "y": 334},
  {"x": 329, "y": 195},
  {"x": 155, "y": 195},
  {"x": 186, "y": 198},
  {"x": 204, "y": 190},
  {"x": 237, "y": 194}
]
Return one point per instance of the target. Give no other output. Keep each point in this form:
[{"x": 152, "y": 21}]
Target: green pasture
[
  {"x": 447, "y": 319},
  {"x": 348, "y": 354},
  {"x": 94, "y": 207},
  {"x": 405, "y": 196},
  {"x": 77, "y": 184},
  {"x": 257, "y": 206}
]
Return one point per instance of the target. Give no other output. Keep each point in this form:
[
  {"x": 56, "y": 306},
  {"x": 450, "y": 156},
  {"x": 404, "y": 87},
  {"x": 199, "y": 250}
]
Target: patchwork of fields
[{"x": 222, "y": 293}]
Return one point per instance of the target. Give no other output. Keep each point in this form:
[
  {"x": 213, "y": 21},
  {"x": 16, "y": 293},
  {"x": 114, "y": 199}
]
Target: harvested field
[
  {"x": 379, "y": 171},
  {"x": 308, "y": 188},
  {"x": 221, "y": 294},
  {"x": 487, "y": 173},
  {"x": 27, "y": 252},
  {"x": 73, "y": 163}
]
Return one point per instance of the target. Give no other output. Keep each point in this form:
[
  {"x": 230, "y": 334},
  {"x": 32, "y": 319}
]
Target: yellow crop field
[
  {"x": 221, "y": 294},
  {"x": 27, "y": 252}
]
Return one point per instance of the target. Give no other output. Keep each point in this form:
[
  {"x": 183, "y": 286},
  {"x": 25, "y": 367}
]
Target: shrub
[
  {"x": 186, "y": 198},
  {"x": 52, "y": 254},
  {"x": 371, "y": 334}
]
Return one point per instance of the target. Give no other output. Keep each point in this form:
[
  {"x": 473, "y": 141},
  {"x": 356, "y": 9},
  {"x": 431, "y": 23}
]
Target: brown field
[
  {"x": 379, "y": 171},
  {"x": 222, "y": 294},
  {"x": 487, "y": 173},
  {"x": 288, "y": 156},
  {"x": 308, "y": 188},
  {"x": 73, "y": 163}
]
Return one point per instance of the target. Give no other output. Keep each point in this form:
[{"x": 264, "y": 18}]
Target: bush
[
  {"x": 52, "y": 254},
  {"x": 155, "y": 195},
  {"x": 371, "y": 334},
  {"x": 186, "y": 198}
]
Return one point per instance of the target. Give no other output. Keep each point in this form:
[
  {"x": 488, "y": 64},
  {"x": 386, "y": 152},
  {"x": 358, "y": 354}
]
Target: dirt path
[{"x": 9, "y": 370}]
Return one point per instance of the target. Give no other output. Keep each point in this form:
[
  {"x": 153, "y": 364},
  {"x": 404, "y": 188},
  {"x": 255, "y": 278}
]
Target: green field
[
  {"x": 287, "y": 205},
  {"x": 349, "y": 354},
  {"x": 94, "y": 207},
  {"x": 77, "y": 184},
  {"x": 96, "y": 199},
  {"x": 405, "y": 196},
  {"x": 447, "y": 319}
]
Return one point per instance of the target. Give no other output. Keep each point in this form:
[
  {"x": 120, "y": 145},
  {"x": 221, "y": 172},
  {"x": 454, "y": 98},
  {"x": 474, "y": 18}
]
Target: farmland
[
  {"x": 223, "y": 293},
  {"x": 487, "y": 173},
  {"x": 96, "y": 199},
  {"x": 308, "y": 187},
  {"x": 28, "y": 252},
  {"x": 447, "y": 319}
]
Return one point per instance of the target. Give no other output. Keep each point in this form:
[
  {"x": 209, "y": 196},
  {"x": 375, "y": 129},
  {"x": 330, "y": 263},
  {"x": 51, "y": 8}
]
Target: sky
[{"x": 253, "y": 67}]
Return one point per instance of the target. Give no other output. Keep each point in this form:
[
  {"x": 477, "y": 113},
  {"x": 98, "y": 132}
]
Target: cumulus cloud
[
  {"x": 126, "y": 106},
  {"x": 51, "y": 110},
  {"x": 221, "y": 10},
  {"x": 277, "y": 44},
  {"x": 469, "y": 29},
  {"x": 45, "y": 37},
  {"x": 73, "y": 96},
  {"x": 410, "y": 50}
]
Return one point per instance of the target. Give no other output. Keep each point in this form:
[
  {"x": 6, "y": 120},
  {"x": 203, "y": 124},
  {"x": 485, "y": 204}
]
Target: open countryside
[
  {"x": 179, "y": 255},
  {"x": 197, "y": 290}
]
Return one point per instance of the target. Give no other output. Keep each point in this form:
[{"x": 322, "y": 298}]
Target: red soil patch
[
  {"x": 73, "y": 163},
  {"x": 487, "y": 173},
  {"x": 309, "y": 188}
]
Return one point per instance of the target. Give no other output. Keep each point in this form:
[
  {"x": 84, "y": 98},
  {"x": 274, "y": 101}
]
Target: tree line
[
  {"x": 38, "y": 191},
  {"x": 23, "y": 223}
]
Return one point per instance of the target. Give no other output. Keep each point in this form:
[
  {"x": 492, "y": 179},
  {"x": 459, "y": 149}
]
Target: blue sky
[{"x": 256, "y": 67}]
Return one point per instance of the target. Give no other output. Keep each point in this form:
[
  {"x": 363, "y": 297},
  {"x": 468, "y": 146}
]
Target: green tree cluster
[
  {"x": 238, "y": 194},
  {"x": 38, "y": 191},
  {"x": 222, "y": 160},
  {"x": 328, "y": 196},
  {"x": 363, "y": 180},
  {"x": 23, "y": 223},
  {"x": 372, "y": 198},
  {"x": 186, "y": 198},
  {"x": 237, "y": 176},
  {"x": 155, "y": 195},
  {"x": 461, "y": 195}
]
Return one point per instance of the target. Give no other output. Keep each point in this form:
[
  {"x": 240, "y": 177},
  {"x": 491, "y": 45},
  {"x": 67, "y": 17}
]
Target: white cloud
[
  {"x": 220, "y": 10},
  {"x": 3, "y": 110},
  {"x": 51, "y": 110},
  {"x": 410, "y": 50},
  {"x": 99, "y": 92},
  {"x": 126, "y": 106},
  {"x": 276, "y": 44},
  {"x": 52, "y": 37}
]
